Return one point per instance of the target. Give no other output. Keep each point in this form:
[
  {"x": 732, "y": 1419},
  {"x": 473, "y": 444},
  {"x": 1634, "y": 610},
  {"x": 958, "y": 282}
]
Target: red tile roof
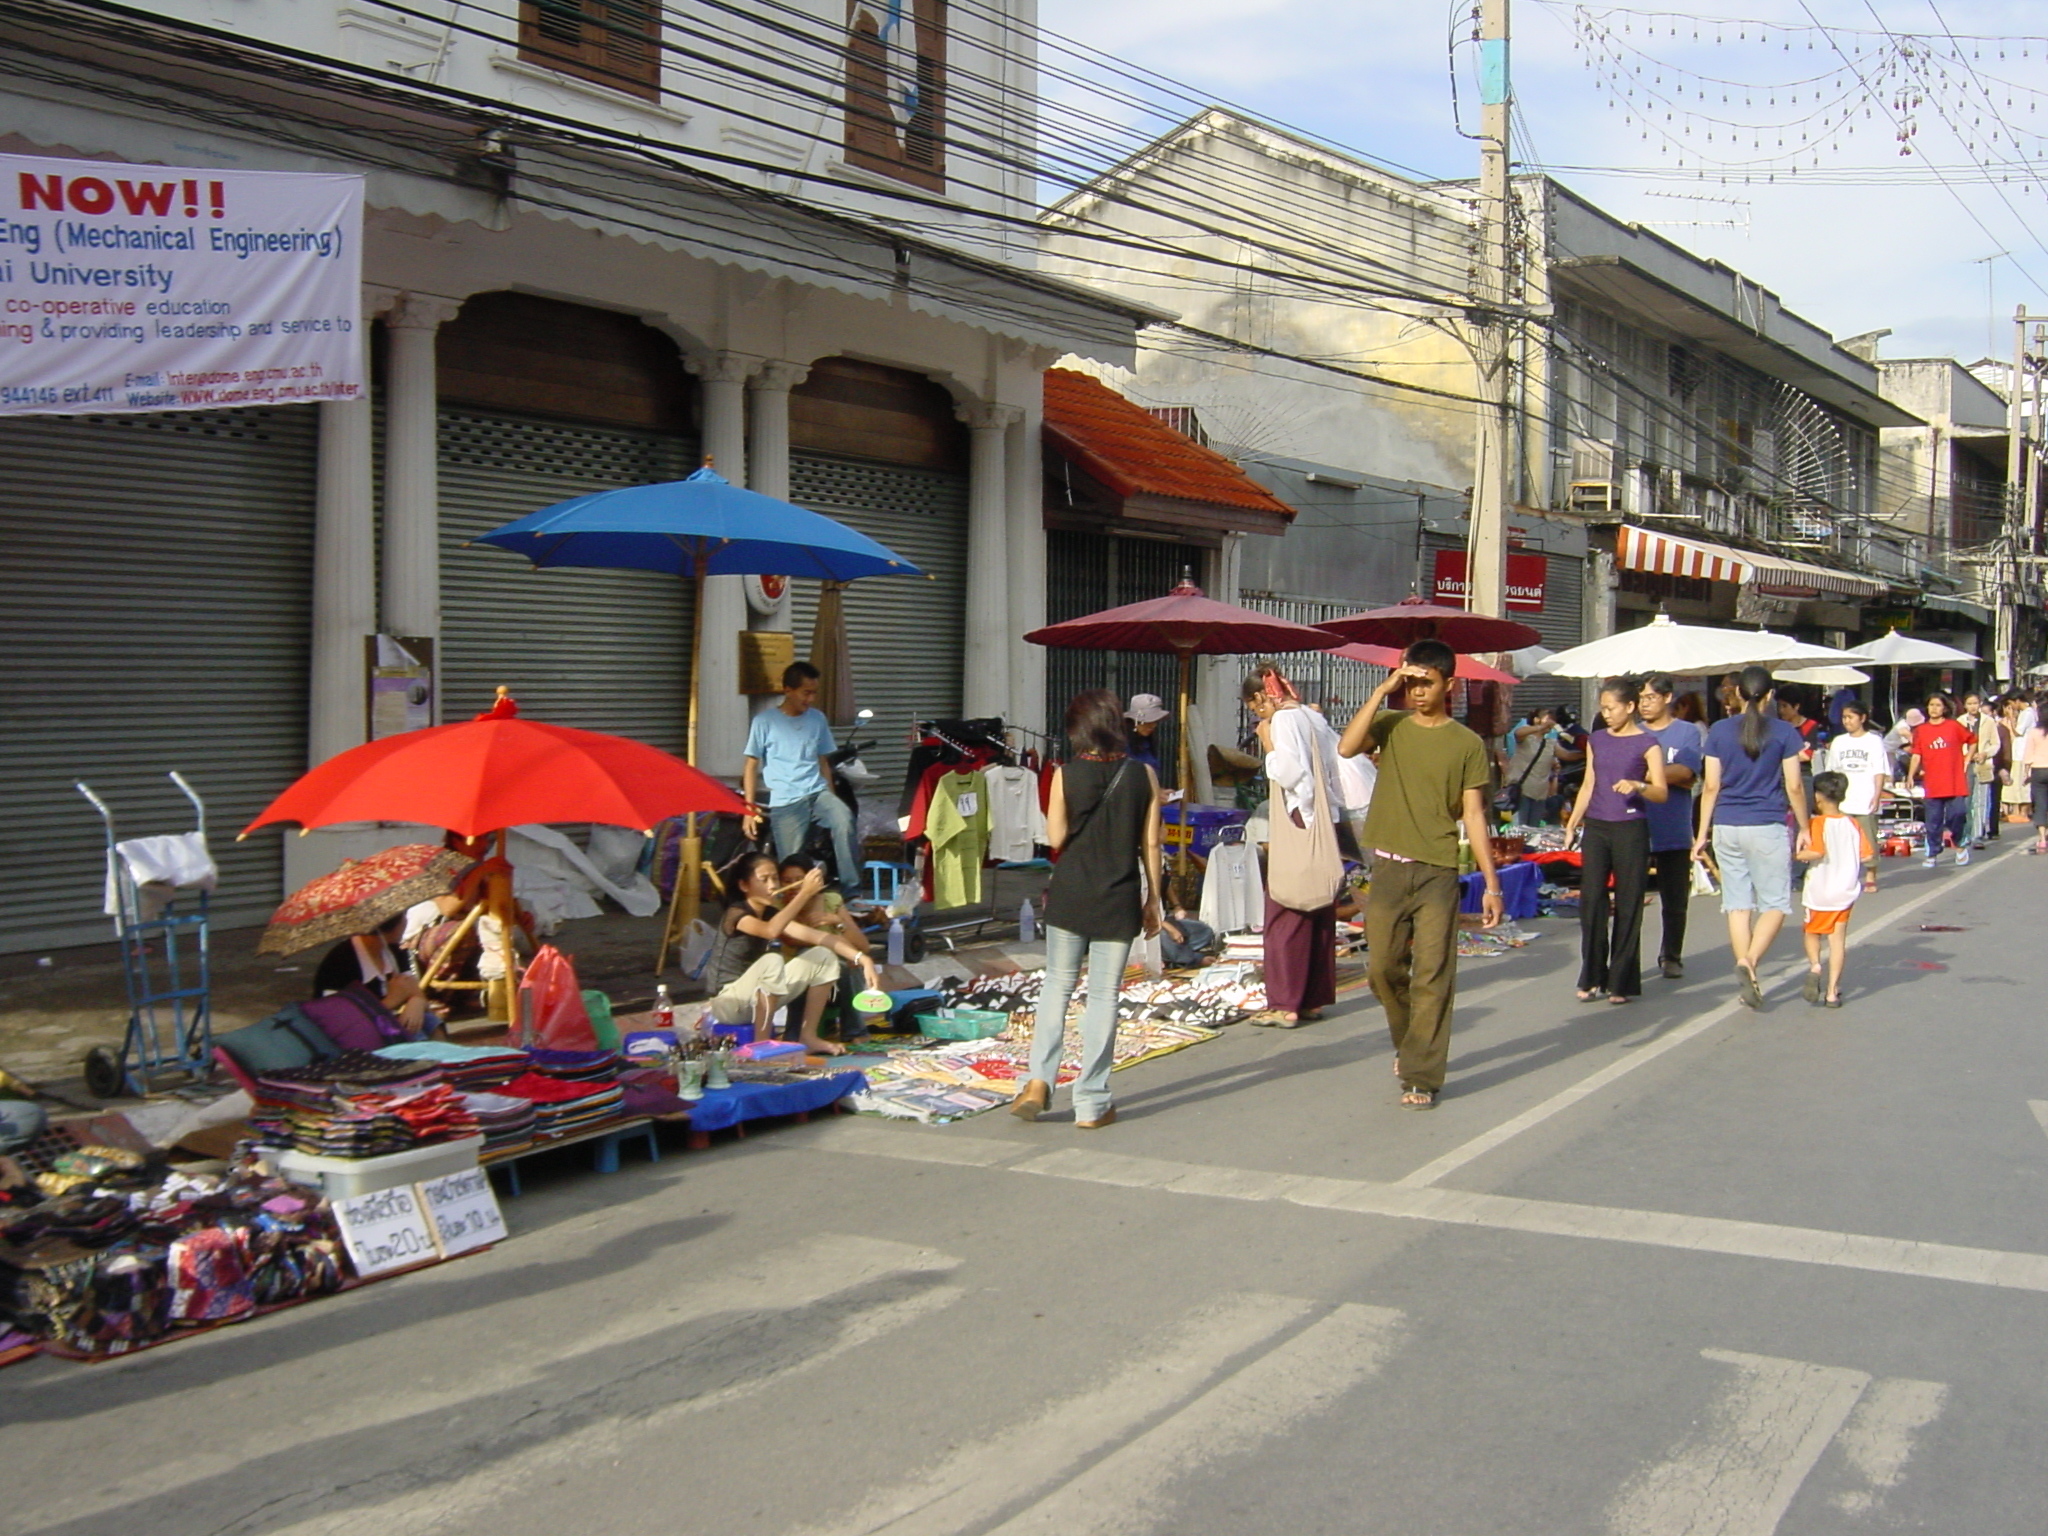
[{"x": 1134, "y": 453}]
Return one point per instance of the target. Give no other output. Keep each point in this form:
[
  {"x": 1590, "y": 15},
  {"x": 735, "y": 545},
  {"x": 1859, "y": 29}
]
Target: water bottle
[
  {"x": 664, "y": 1008},
  {"x": 1027, "y": 923},
  {"x": 895, "y": 941}
]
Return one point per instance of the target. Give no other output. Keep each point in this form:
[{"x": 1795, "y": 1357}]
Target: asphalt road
[{"x": 1668, "y": 1270}]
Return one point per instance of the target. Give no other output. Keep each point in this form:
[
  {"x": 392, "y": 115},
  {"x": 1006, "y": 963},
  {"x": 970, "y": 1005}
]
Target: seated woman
[
  {"x": 827, "y": 912},
  {"x": 374, "y": 962},
  {"x": 751, "y": 974}
]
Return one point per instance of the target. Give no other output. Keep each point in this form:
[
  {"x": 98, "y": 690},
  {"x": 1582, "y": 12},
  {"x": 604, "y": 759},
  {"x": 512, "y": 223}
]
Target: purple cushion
[{"x": 354, "y": 1020}]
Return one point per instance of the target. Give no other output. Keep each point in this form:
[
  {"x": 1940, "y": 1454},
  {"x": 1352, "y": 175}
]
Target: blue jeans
[
  {"x": 1063, "y": 955},
  {"x": 791, "y": 824},
  {"x": 1947, "y": 814}
]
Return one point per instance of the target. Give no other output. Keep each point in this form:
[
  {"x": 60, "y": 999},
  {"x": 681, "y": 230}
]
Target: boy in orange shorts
[{"x": 1837, "y": 852}]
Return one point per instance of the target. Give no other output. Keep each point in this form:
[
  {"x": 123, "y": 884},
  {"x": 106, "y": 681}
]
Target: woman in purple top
[{"x": 1624, "y": 770}]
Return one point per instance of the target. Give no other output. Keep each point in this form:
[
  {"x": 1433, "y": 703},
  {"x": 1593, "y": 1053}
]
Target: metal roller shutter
[
  {"x": 907, "y": 636},
  {"x": 1561, "y": 625},
  {"x": 601, "y": 650},
  {"x": 156, "y": 570}
]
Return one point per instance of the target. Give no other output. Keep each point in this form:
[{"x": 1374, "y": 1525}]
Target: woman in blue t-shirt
[{"x": 1754, "y": 799}]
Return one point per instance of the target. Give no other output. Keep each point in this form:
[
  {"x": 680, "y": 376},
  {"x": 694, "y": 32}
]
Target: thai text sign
[
  {"x": 1525, "y": 581},
  {"x": 150, "y": 288}
]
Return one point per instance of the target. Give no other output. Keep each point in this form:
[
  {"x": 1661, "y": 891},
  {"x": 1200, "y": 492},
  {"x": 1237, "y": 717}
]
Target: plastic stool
[
  {"x": 608, "y": 1147},
  {"x": 876, "y": 868}
]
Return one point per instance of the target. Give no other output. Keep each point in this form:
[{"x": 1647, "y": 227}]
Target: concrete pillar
[
  {"x": 411, "y": 546},
  {"x": 344, "y": 599},
  {"x": 1025, "y": 467},
  {"x": 721, "y": 709},
  {"x": 1217, "y": 678},
  {"x": 768, "y": 456},
  {"x": 986, "y": 684}
]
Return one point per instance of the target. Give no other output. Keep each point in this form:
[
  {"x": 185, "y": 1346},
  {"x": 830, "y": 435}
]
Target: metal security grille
[
  {"x": 601, "y": 650},
  {"x": 156, "y": 571},
  {"x": 1087, "y": 572},
  {"x": 1335, "y": 685},
  {"x": 1561, "y": 625},
  {"x": 907, "y": 634}
]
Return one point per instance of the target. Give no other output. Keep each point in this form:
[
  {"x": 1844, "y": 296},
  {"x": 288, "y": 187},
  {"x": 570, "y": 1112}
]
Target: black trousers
[
  {"x": 1611, "y": 922},
  {"x": 1671, "y": 874}
]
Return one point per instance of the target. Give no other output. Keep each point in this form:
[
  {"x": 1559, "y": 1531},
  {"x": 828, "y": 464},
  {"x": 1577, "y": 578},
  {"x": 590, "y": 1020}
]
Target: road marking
[
  {"x": 978, "y": 1481},
  {"x": 1879, "y": 1437},
  {"x": 2040, "y": 1109},
  {"x": 1905, "y": 1257},
  {"x": 1429, "y": 1173},
  {"x": 1127, "y": 1491},
  {"x": 1738, "y": 1474},
  {"x": 785, "y": 1279}
]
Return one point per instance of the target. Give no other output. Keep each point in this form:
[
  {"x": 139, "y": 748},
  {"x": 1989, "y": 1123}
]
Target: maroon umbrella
[
  {"x": 1413, "y": 619},
  {"x": 1185, "y": 624}
]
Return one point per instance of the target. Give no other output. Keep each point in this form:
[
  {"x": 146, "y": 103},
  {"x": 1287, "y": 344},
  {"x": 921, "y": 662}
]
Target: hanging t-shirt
[
  {"x": 1016, "y": 824},
  {"x": 957, "y": 822},
  {"x": 1862, "y": 760},
  {"x": 1233, "y": 895},
  {"x": 1942, "y": 747}
]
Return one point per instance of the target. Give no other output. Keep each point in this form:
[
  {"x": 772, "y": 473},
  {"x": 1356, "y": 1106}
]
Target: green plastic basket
[{"x": 962, "y": 1024}]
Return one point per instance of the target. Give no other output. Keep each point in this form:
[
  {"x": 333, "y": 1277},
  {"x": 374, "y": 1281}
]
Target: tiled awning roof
[{"x": 1134, "y": 454}]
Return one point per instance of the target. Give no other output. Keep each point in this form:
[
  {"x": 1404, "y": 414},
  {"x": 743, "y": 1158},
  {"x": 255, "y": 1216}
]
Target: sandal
[
  {"x": 1586, "y": 994},
  {"x": 1832, "y": 1002},
  {"x": 1752, "y": 994},
  {"x": 1811, "y": 991},
  {"x": 1419, "y": 1098},
  {"x": 1615, "y": 999}
]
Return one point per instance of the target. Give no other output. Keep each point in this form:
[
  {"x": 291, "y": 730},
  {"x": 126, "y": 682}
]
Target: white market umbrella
[
  {"x": 1526, "y": 662},
  {"x": 1831, "y": 676},
  {"x": 1687, "y": 650},
  {"x": 1897, "y": 650},
  {"x": 1793, "y": 652}
]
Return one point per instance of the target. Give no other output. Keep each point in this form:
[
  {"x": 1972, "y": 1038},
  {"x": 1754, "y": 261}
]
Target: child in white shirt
[{"x": 1838, "y": 849}]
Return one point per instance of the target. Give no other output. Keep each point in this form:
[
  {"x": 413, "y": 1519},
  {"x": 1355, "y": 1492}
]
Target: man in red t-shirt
[{"x": 1940, "y": 759}]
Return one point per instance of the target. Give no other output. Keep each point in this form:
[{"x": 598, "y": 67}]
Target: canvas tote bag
[{"x": 1303, "y": 868}]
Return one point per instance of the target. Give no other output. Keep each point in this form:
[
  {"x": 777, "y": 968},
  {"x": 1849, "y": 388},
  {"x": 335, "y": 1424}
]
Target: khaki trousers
[
  {"x": 1411, "y": 936},
  {"x": 781, "y": 978}
]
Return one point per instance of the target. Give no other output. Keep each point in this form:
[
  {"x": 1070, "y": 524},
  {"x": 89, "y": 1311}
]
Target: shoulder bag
[{"x": 1303, "y": 868}]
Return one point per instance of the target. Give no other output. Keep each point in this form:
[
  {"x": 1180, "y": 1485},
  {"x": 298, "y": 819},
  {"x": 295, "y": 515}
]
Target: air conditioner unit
[{"x": 1592, "y": 498}]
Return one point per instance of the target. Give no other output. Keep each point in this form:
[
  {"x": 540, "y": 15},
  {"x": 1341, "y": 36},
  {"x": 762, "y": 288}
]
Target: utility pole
[{"x": 1486, "y": 543}]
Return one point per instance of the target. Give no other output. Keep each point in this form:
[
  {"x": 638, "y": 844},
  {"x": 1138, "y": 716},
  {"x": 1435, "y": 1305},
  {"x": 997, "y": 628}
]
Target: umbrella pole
[
  {"x": 683, "y": 901},
  {"x": 505, "y": 909},
  {"x": 1187, "y": 773}
]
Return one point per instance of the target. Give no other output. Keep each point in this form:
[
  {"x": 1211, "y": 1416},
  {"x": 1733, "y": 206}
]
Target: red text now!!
[{"x": 90, "y": 195}]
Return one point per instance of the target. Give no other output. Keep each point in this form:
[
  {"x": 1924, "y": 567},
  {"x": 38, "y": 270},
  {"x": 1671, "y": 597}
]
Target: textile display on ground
[{"x": 770, "y": 1095}]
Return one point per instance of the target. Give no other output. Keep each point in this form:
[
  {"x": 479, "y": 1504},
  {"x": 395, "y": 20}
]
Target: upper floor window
[
  {"x": 896, "y": 89},
  {"x": 609, "y": 42}
]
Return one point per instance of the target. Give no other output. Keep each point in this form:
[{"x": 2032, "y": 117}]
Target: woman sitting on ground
[
  {"x": 374, "y": 962},
  {"x": 751, "y": 974}
]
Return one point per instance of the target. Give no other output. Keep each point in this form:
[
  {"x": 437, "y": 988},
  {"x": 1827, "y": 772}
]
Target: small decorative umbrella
[
  {"x": 362, "y": 896},
  {"x": 1186, "y": 624},
  {"x": 1413, "y": 619},
  {"x": 1469, "y": 668}
]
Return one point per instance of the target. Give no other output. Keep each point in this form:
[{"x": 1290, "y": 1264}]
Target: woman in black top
[
  {"x": 764, "y": 955},
  {"x": 1104, "y": 823}
]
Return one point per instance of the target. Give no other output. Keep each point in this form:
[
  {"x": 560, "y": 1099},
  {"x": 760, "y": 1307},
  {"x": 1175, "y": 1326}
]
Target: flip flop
[
  {"x": 1752, "y": 994},
  {"x": 1811, "y": 991}
]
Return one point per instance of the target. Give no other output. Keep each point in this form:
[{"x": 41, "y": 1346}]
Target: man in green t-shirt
[{"x": 1433, "y": 773}]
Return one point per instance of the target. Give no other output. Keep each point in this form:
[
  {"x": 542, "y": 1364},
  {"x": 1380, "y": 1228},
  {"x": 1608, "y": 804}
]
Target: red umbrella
[
  {"x": 1413, "y": 619},
  {"x": 1386, "y": 656},
  {"x": 498, "y": 771},
  {"x": 1185, "y": 624}
]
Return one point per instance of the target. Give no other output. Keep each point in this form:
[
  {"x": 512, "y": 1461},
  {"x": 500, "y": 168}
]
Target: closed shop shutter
[
  {"x": 156, "y": 570},
  {"x": 907, "y": 635},
  {"x": 1088, "y": 572},
  {"x": 600, "y": 650},
  {"x": 1561, "y": 625}
]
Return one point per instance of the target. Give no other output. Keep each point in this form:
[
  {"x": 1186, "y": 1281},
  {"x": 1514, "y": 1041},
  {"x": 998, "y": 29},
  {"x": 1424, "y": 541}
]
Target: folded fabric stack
[
  {"x": 310, "y": 1090},
  {"x": 374, "y": 1124},
  {"x": 560, "y": 1108},
  {"x": 465, "y": 1068},
  {"x": 576, "y": 1066},
  {"x": 507, "y": 1123}
]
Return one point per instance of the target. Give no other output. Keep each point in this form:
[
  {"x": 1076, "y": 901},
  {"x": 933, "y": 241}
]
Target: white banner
[{"x": 152, "y": 288}]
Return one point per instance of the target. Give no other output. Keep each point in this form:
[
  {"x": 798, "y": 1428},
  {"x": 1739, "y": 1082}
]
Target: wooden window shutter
[{"x": 615, "y": 43}]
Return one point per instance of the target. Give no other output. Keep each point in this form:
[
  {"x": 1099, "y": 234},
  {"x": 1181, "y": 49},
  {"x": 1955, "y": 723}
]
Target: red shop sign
[{"x": 1525, "y": 581}]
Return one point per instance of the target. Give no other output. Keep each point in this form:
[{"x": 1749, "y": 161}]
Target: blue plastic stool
[
  {"x": 876, "y": 868},
  {"x": 608, "y": 1147}
]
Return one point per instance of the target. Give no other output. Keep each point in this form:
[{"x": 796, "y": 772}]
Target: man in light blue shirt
[{"x": 787, "y": 747}]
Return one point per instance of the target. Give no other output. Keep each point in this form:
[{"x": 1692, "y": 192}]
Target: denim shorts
[{"x": 1756, "y": 867}]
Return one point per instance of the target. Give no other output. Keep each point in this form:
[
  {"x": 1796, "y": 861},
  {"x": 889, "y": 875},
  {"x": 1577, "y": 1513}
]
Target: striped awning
[{"x": 1667, "y": 554}]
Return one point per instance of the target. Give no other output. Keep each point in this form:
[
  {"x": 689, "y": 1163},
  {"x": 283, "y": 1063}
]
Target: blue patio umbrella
[{"x": 697, "y": 527}]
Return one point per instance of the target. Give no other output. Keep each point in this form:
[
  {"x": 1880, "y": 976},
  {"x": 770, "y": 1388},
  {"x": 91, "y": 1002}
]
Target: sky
[{"x": 1858, "y": 238}]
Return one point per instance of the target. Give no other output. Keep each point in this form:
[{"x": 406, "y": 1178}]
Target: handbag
[{"x": 1303, "y": 867}]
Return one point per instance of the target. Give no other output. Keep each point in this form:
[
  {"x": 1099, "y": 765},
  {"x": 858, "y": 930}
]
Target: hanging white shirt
[
  {"x": 1016, "y": 824},
  {"x": 1233, "y": 895}
]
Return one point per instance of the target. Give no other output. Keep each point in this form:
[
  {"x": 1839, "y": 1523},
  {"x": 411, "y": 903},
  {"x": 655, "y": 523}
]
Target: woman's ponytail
[{"x": 1755, "y": 687}]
